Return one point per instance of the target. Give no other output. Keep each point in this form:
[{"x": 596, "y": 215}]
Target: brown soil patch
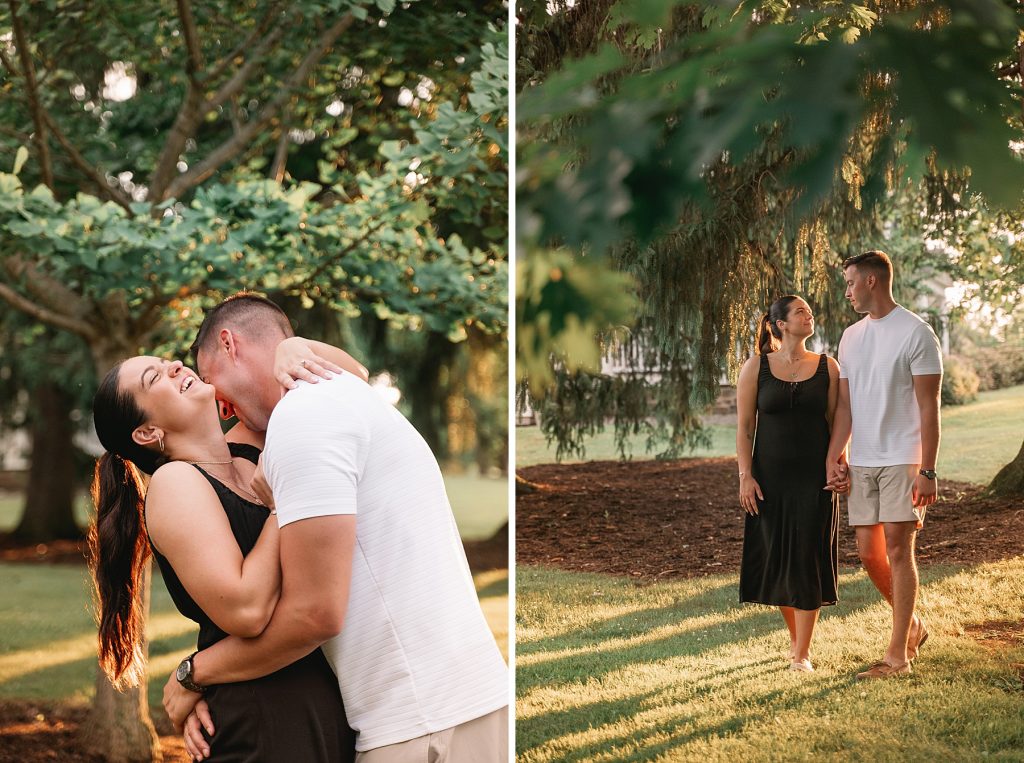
[
  {"x": 53, "y": 552},
  {"x": 663, "y": 519},
  {"x": 998, "y": 634},
  {"x": 46, "y": 731}
]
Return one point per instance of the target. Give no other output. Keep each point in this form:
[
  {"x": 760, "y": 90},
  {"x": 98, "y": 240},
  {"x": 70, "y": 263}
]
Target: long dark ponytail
[
  {"x": 118, "y": 543},
  {"x": 769, "y": 336}
]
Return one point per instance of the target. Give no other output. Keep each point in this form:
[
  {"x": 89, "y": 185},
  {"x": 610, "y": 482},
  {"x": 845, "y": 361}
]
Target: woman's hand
[
  {"x": 295, "y": 360},
  {"x": 750, "y": 493},
  {"x": 195, "y": 743},
  {"x": 838, "y": 477}
]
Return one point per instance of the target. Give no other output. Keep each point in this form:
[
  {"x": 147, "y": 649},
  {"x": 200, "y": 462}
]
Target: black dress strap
[{"x": 245, "y": 450}]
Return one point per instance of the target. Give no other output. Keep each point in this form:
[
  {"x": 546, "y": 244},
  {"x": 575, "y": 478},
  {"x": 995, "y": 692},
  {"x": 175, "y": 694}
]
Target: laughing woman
[
  {"x": 786, "y": 397},
  {"x": 216, "y": 545}
]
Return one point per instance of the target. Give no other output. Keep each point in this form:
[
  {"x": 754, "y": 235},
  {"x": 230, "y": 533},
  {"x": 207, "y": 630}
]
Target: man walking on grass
[{"x": 890, "y": 376}]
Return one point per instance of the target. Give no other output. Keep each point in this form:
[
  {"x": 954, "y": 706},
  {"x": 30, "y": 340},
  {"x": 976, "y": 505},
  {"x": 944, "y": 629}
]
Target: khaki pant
[{"x": 481, "y": 740}]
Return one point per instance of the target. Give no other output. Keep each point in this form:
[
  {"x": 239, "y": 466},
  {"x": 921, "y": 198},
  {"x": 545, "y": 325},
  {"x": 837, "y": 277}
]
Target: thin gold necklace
[{"x": 255, "y": 498}]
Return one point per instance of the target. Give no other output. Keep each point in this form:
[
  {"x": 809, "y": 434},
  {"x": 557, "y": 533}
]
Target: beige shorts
[
  {"x": 481, "y": 740},
  {"x": 883, "y": 494}
]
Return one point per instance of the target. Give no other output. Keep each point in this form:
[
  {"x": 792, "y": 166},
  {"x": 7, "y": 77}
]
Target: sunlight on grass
[
  {"x": 24, "y": 661},
  {"x": 611, "y": 670},
  {"x": 977, "y": 439},
  {"x": 48, "y": 638}
]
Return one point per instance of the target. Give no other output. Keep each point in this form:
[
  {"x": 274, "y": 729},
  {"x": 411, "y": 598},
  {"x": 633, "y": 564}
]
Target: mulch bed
[
  {"x": 31, "y": 732},
  {"x": 655, "y": 520},
  {"x": 46, "y": 731}
]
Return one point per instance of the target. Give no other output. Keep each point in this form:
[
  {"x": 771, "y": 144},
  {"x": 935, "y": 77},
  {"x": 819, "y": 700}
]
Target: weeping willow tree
[{"x": 682, "y": 165}]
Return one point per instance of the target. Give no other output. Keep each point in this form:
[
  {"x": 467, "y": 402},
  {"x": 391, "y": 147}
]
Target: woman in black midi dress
[
  {"x": 295, "y": 713},
  {"x": 785, "y": 400},
  {"x": 217, "y": 551}
]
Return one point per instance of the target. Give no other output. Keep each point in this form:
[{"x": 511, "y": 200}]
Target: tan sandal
[
  {"x": 801, "y": 666},
  {"x": 914, "y": 648},
  {"x": 882, "y": 669}
]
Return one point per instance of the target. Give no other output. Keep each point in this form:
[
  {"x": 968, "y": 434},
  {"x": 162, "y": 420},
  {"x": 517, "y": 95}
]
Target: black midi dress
[
  {"x": 294, "y": 714},
  {"x": 790, "y": 549}
]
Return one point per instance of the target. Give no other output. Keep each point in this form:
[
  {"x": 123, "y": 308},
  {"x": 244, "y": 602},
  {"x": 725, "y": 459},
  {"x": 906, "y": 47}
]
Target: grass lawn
[
  {"x": 48, "y": 638},
  {"x": 609, "y": 670},
  {"x": 480, "y": 505},
  {"x": 977, "y": 439},
  {"x": 532, "y": 449}
]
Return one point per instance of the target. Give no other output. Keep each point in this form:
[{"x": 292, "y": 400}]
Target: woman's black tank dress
[
  {"x": 291, "y": 715},
  {"x": 790, "y": 549}
]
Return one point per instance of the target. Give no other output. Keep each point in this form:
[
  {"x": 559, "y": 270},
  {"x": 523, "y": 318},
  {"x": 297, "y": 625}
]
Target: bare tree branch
[
  {"x": 28, "y": 72},
  {"x": 48, "y": 291},
  {"x": 260, "y": 29},
  {"x": 277, "y": 168},
  {"x": 182, "y": 129},
  {"x": 92, "y": 173},
  {"x": 196, "y": 105},
  {"x": 191, "y": 35},
  {"x": 236, "y": 123},
  {"x": 237, "y": 143},
  {"x": 231, "y": 88},
  {"x": 18, "y": 135},
  {"x": 189, "y": 114},
  {"x": 39, "y": 312}
]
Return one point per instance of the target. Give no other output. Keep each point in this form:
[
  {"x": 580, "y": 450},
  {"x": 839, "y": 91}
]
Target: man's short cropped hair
[
  {"x": 876, "y": 262},
  {"x": 247, "y": 313}
]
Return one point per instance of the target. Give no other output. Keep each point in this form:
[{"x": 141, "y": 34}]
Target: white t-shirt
[
  {"x": 415, "y": 654},
  {"x": 881, "y": 358}
]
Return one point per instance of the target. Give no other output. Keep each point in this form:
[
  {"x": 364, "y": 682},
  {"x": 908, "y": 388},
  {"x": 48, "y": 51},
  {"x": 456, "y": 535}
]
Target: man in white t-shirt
[
  {"x": 373, "y": 569},
  {"x": 889, "y": 382}
]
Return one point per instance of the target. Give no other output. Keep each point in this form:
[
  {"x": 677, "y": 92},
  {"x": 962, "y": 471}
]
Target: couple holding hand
[{"x": 796, "y": 414}]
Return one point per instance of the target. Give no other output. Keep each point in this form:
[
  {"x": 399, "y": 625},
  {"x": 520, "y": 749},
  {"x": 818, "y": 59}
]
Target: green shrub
[
  {"x": 997, "y": 367},
  {"x": 959, "y": 381}
]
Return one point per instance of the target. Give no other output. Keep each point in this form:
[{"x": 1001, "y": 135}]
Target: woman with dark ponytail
[
  {"x": 218, "y": 554},
  {"x": 786, "y": 398}
]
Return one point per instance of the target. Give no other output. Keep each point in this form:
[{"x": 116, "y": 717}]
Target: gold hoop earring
[{"x": 161, "y": 441}]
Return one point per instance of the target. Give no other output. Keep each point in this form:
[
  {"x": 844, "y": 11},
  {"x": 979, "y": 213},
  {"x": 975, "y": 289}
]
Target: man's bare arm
[
  {"x": 316, "y": 564},
  {"x": 927, "y": 390}
]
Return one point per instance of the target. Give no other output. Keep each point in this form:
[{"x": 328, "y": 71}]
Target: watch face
[{"x": 183, "y": 670}]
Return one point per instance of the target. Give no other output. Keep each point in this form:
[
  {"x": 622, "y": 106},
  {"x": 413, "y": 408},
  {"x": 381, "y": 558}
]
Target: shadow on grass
[
  {"x": 593, "y": 664},
  {"x": 77, "y": 676},
  {"x": 685, "y": 729},
  {"x": 494, "y": 588}
]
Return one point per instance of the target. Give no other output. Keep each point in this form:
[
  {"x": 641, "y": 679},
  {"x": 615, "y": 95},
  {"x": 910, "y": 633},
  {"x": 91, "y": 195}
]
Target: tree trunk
[
  {"x": 49, "y": 498},
  {"x": 1010, "y": 480},
  {"x": 119, "y": 727},
  {"x": 426, "y": 393}
]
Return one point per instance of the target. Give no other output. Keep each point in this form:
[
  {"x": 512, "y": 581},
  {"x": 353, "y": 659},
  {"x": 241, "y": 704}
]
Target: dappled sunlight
[
  {"x": 715, "y": 686},
  {"x": 60, "y": 652}
]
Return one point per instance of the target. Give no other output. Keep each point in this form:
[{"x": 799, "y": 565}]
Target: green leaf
[{"x": 19, "y": 159}]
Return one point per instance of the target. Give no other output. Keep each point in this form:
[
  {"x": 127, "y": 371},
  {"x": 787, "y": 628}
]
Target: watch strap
[
  {"x": 929, "y": 473},
  {"x": 185, "y": 676}
]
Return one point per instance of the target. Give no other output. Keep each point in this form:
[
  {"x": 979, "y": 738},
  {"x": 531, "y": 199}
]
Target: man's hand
[
  {"x": 838, "y": 477},
  {"x": 260, "y": 487},
  {"x": 195, "y": 743},
  {"x": 179, "y": 702},
  {"x": 925, "y": 491}
]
